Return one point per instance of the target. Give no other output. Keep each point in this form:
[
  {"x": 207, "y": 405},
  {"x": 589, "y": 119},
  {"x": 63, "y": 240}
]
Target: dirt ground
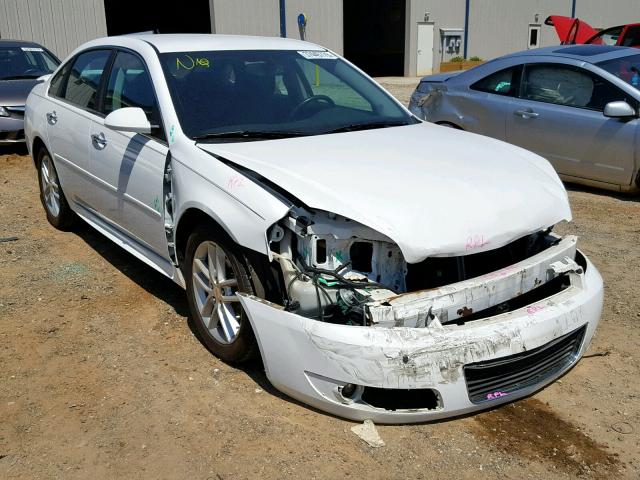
[{"x": 102, "y": 377}]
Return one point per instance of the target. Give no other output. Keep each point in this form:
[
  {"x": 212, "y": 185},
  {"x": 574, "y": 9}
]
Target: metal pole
[
  {"x": 283, "y": 18},
  {"x": 466, "y": 28},
  {"x": 573, "y": 9}
]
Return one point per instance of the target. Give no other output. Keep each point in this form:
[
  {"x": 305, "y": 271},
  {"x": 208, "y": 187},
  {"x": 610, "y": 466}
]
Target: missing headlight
[{"x": 361, "y": 254}]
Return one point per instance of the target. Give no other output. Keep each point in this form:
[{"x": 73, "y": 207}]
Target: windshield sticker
[
  {"x": 317, "y": 55},
  {"x": 31, "y": 49},
  {"x": 172, "y": 134},
  {"x": 188, "y": 62}
]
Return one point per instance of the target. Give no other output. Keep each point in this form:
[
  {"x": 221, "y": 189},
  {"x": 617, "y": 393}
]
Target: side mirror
[
  {"x": 43, "y": 78},
  {"x": 620, "y": 109},
  {"x": 128, "y": 119}
]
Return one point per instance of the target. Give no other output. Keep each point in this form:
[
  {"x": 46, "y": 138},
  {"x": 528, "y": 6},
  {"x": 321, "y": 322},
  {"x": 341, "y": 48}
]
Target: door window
[
  {"x": 631, "y": 37},
  {"x": 504, "y": 82},
  {"x": 607, "y": 37},
  {"x": 129, "y": 85},
  {"x": 557, "y": 84},
  {"x": 572, "y": 87},
  {"x": 81, "y": 88}
]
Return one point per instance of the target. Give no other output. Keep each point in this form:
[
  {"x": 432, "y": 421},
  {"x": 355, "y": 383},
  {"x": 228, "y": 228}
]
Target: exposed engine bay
[{"x": 335, "y": 270}]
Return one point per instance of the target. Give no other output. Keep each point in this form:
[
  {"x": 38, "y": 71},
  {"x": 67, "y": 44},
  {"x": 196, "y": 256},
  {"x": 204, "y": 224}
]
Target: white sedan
[{"x": 382, "y": 267}]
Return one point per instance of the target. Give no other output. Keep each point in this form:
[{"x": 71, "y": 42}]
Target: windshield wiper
[
  {"x": 249, "y": 134},
  {"x": 367, "y": 126},
  {"x": 20, "y": 77}
]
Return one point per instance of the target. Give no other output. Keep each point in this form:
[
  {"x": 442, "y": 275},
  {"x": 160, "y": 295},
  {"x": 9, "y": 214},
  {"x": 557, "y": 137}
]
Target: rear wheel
[
  {"x": 215, "y": 271},
  {"x": 55, "y": 204}
]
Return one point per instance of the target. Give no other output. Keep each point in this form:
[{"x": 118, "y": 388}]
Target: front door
[
  {"x": 559, "y": 116},
  {"x": 130, "y": 165},
  {"x": 425, "y": 49}
]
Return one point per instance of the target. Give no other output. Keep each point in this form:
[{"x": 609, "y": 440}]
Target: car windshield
[
  {"x": 25, "y": 62},
  {"x": 625, "y": 68},
  {"x": 235, "y": 95}
]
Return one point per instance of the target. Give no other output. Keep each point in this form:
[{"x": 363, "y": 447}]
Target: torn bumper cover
[{"x": 411, "y": 365}]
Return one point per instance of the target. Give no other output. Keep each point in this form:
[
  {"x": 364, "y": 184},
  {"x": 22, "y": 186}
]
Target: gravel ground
[{"x": 101, "y": 375}]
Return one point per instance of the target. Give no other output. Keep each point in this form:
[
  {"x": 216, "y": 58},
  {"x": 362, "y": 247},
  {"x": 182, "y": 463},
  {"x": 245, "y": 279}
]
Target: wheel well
[
  {"x": 189, "y": 220},
  {"x": 450, "y": 124},
  {"x": 265, "y": 276},
  {"x": 38, "y": 145}
]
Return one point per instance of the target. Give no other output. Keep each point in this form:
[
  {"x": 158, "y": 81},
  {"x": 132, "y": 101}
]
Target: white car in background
[{"x": 382, "y": 267}]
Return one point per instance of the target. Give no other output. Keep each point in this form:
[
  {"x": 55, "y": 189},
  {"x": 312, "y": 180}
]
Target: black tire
[
  {"x": 244, "y": 346},
  {"x": 64, "y": 217}
]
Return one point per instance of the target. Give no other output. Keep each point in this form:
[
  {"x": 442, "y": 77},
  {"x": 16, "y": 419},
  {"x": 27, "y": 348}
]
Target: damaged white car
[{"x": 382, "y": 267}]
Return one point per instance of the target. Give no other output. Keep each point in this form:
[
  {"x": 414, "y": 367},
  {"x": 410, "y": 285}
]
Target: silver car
[
  {"x": 575, "y": 105},
  {"x": 21, "y": 65}
]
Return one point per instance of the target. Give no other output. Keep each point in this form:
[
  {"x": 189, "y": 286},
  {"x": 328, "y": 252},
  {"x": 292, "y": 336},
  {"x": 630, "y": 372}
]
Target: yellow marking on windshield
[{"x": 189, "y": 63}]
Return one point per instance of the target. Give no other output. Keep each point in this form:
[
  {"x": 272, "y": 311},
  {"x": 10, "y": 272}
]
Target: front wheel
[
  {"x": 55, "y": 204},
  {"x": 214, "y": 271}
]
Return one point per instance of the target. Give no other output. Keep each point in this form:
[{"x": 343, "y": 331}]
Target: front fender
[{"x": 241, "y": 207}]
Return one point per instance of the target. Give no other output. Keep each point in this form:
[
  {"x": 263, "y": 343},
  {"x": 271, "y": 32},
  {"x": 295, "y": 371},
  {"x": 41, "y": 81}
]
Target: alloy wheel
[{"x": 214, "y": 287}]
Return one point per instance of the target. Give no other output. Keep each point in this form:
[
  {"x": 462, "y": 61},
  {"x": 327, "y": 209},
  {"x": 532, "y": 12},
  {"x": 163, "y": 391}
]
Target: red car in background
[{"x": 573, "y": 30}]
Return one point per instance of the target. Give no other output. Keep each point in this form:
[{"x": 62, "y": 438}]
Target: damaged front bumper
[{"x": 426, "y": 355}]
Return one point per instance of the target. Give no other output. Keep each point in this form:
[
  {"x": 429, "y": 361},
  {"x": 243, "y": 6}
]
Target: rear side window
[
  {"x": 81, "y": 88},
  {"x": 504, "y": 82}
]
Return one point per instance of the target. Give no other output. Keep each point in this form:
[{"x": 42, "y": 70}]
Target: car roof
[
  {"x": 178, "y": 42},
  {"x": 583, "y": 53},
  {"x": 18, "y": 43}
]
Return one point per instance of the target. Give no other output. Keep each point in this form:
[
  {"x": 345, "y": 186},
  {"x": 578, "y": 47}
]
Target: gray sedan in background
[
  {"x": 21, "y": 64},
  {"x": 576, "y": 105}
]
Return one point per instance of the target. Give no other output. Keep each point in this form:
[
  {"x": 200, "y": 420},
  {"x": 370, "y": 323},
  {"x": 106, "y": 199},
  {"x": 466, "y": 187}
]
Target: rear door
[
  {"x": 73, "y": 105},
  {"x": 130, "y": 166},
  {"x": 559, "y": 116}
]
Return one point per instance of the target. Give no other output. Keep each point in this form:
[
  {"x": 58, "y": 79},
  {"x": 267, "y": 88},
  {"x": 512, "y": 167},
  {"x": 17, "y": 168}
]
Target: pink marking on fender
[{"x": 235, "y": 181}]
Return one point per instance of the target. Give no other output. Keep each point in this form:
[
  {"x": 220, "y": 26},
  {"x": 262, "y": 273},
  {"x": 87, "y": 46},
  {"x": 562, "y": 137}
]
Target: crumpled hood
[
  {"x": 15, "y": 92},
  {"x": 433, "y": 190}
]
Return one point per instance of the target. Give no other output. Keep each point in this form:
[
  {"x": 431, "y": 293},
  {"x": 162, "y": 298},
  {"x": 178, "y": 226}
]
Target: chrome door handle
[
  {"x": 526, "y": 113},
  {"x": 98, "y": 140},
  {"x": 52, "y": 117}
]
